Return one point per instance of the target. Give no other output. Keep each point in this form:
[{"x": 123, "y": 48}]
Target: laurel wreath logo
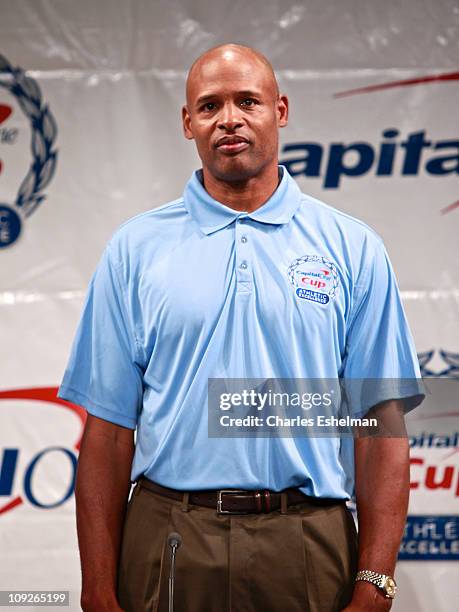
[
  {"x": 315, "y": 258},
  {"x": 44, "y": 131}
]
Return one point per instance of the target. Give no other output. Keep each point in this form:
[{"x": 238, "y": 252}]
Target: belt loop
[
  {"x": 283, "y": 502},
  {"x": 267, "y": 498},
  {"x": 186, "y": 497},
  {"x": 258, "y": 501},
  {"x": 137, "y": 488}
]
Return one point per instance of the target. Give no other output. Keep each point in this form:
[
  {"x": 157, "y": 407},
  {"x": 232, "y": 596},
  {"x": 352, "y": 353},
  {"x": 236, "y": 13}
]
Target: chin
[{"x": 236, "y": 171}]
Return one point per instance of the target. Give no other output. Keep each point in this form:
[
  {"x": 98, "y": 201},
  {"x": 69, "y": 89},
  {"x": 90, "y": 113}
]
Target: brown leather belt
[{"x": 238, "y": 501}]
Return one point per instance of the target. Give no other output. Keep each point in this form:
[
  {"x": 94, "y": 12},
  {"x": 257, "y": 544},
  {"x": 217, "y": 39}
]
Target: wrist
[
  {"x": 99, "y": 601},
  {"x": 384, "y": 582},
  {"x": 368, "y": 596},
  {"x": 369, "y": 562}
]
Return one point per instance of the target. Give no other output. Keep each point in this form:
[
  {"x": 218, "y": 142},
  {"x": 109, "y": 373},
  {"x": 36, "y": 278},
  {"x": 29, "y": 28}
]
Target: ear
[
  {"x": 186, "y": 121},
  {"x": 282, "y": 110}
]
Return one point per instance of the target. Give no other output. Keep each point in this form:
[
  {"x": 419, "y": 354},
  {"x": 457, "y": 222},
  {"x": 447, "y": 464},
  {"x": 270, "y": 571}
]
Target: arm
[
  {"x": 382, "y": 492},
  {"x": 101, "y": 492}
]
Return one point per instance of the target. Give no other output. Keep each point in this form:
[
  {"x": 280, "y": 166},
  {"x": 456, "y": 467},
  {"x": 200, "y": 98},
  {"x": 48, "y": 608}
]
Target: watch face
[{"x": 390, "y": 586}]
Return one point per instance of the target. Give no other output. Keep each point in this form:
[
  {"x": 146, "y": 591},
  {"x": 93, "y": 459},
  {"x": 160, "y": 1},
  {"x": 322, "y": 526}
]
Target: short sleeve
[
  {"x": 380, "y": 361},
  {"x": 102, "y": 373}
]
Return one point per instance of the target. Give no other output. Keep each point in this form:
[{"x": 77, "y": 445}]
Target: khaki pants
[{"x": 303, "y": 560}]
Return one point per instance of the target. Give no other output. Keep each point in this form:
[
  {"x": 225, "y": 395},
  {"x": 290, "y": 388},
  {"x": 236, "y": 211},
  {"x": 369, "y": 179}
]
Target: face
[{"x": 233, "y": 113}]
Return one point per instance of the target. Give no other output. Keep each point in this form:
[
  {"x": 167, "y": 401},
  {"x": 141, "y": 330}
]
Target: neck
[{"x": 247, "y": 195}]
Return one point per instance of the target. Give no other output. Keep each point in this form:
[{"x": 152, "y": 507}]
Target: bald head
[
  {"x": 233, "y": 113},
  {"x": 227, "y": 56}
]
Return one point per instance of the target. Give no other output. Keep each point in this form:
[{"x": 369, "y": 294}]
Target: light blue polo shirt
[{"x": 196, "y": 290}]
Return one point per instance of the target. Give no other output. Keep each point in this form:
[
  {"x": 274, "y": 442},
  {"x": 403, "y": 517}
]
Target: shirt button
[
  {"x": 243, "y": 265},
  {"x": 244, "y": 239}
]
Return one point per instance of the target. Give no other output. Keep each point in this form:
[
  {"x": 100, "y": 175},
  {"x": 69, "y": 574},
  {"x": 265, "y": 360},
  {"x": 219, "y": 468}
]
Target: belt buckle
[{"x": 220, "y": 501}]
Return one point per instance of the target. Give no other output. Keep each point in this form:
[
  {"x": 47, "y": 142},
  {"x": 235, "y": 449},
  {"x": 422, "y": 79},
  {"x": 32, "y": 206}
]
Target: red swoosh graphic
[
  {"x": 5, "y": 112},
  {"x": 449, "y": 208},
  {"x": 49, "y": 395},
  {"x": 433, "y": 78}
]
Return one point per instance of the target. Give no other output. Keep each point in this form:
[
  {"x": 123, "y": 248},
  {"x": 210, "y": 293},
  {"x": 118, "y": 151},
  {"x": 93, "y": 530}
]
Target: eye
[
  {"x": 248, "y": 102},
  {"x": 208, "y": 106}
]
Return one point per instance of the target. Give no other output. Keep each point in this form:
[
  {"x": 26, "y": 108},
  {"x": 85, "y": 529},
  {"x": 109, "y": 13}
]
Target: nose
[{"x": 230, "y": 117}]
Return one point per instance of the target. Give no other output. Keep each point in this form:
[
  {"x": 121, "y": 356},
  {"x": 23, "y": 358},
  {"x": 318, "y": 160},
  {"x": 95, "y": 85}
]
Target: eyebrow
[{"x": 211, "y": 96}]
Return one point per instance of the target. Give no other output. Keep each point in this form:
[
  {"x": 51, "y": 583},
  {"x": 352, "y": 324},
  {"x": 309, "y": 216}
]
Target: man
[{"x": 243, "y": 277}]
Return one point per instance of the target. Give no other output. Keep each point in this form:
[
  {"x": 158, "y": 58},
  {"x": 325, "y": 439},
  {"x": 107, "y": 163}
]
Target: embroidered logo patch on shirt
[{"x": 314, "y": 278}]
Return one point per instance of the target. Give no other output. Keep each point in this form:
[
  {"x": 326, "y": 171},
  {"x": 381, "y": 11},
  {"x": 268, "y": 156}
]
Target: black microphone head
[{"x": 174, "y": 539}]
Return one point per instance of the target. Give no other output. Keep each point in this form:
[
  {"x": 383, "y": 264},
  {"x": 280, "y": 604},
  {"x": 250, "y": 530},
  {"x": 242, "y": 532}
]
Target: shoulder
[
  {"x": 150, "y": 229},
  {"x": 351, "y": 240},
  {"x": 355, "y": 247},
  {"x": 174, "y": 210},
  {"x": 336, "y": 221}
]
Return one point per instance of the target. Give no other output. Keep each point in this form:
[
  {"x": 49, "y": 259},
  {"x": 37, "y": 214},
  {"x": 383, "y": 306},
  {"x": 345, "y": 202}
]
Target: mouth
[{"x": 232, "y": 144}]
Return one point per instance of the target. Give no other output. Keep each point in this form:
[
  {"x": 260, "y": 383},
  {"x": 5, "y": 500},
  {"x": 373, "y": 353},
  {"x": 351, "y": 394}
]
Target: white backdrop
[{"x": 103, "y": 142}]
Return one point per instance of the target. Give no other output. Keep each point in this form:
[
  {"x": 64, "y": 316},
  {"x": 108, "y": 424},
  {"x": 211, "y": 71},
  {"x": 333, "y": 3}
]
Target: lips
[{"x": 232, "y": 144}]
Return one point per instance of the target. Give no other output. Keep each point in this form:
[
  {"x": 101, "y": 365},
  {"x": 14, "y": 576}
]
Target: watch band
[{"x": 386, "y": 583}]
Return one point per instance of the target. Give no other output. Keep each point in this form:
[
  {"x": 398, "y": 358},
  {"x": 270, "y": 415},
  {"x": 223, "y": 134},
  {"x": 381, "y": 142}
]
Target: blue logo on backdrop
[
  {"x": 430, "y": 538},
  {"x": 339, "y": 159},
  {"x": 10, "y": 225},
  {"x": 449, "y": 363},
  {"x": 8, "y": 473},
  {"x": 27, "y": 94}
]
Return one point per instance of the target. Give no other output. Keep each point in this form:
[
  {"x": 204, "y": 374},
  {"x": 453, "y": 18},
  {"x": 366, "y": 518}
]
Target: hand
[{"x": 368, "y": 598}]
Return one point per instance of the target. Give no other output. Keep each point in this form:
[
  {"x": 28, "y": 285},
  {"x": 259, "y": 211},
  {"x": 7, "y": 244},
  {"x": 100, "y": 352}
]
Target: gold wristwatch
[{"x": 386, "y": 583}]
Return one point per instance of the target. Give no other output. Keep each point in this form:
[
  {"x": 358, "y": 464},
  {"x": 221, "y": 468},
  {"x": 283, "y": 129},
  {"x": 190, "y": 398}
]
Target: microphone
[{"x": 174, "y": 540}]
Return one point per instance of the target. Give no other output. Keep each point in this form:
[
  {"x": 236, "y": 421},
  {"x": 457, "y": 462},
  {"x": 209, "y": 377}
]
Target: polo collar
[{"x": 212, "y": 215}]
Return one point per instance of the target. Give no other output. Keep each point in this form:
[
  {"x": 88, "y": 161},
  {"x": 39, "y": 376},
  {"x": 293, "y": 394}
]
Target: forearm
[
  {"x": 102, "y": 488},
  {"x": 382, "y": 491}
]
